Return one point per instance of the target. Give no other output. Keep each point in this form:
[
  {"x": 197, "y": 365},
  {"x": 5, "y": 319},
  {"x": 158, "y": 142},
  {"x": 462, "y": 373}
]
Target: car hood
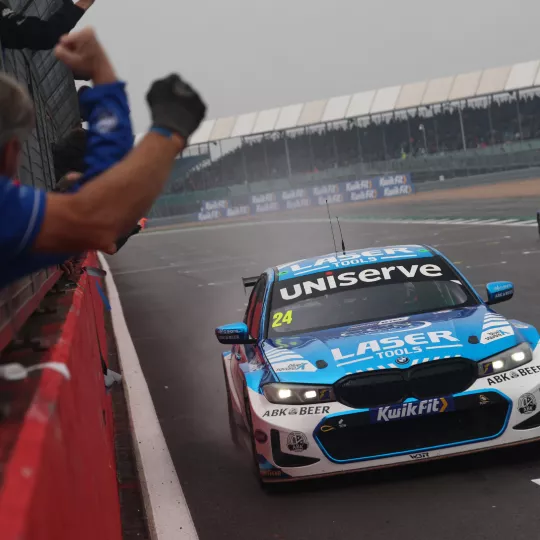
[{"x": 324, "y": 356}]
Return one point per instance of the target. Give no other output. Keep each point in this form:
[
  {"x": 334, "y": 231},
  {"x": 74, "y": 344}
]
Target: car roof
[{"x": 352, "y": 258}]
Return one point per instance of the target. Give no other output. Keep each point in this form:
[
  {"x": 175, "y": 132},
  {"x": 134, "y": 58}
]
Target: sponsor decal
[
  {"x": 264, "y": 198},
  {"x": 289, "y": 343},
  {"x": 297, "y": 442},
  {"x": 331, "y": 189},
  {"x": 502, "y": 377},
  {"x": 392, "y": 326},
  {"x": 503, "y": 294},
  {"x": 396, "y": 273},
  {"x": 397, "y": 190},
  {"x": 529, "y": 370},
  {"x": 236, "y": 211},
  {"x": 268, "y": 470},
  {"x": 337, "y": 198},
  {"x": 267, "y": 207},
  {"x": 419, "y": 455},
  {"x": 353, "y": 258},
  {"x": 496, "y": 333},
  {"x": 291, "y": 367},
  {"x": 358, "y": 185},
  {"x": 393, "y": 346},
  {"x": 300, "y": 411},
  {"x": 107, "y": 122},
  {"x": 326, "y": 428},
  {"x": 294, "y": 194},
  {"x": 297, "y": 203},
  {"x": 324, "y": 394},
  {"x": 411, "y": 409},
  {"x": 367, "y": 195},
  {"x": 271, "y": 473},
  {"x": 207, "y": 216},
  {"x": 402, "y": 360},
  {"x": 502, "y": 288},
  {"x": 208, "y": 206},
  {"x": 527, "y": 404},
  {"x": 228, "y": 337},
  {"x": 388, "y": 181}
]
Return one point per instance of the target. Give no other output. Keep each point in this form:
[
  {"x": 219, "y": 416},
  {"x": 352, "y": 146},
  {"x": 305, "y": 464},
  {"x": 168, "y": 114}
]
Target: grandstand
[{"x": 458, "y": 125}]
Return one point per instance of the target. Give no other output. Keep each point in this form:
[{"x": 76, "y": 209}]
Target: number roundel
[{"x": 281, "y": 318}]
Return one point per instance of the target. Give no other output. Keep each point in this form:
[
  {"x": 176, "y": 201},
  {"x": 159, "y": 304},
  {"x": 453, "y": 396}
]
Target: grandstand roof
[{"x": 520, "y": 76}]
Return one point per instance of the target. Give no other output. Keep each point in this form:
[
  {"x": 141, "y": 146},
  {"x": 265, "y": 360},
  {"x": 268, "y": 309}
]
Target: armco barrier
[{"x": 60, "y": 480}]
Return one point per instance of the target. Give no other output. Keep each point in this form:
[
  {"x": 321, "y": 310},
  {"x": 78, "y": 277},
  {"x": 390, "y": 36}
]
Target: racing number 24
[{"x": 282, "y": 318}]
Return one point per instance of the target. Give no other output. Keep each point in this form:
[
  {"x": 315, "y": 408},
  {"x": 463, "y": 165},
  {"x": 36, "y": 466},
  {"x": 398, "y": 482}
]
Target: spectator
[
  {"x": 17, "y": 31},
  {"x": 68, "y": 153},
  {"x": 38, "y": 229}
]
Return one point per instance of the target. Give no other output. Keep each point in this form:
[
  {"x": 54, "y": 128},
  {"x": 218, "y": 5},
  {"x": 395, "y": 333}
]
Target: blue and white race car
[{"x": 375, "y": 358}]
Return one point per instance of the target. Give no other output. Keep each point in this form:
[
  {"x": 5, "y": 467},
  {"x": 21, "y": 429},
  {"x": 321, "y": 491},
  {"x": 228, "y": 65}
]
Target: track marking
[
  {"x": 166, "y": 508},
  {"x": 461, "y": 222},
  {"x": 536, "y": 481},
  {"x": 484, "y": 265}
]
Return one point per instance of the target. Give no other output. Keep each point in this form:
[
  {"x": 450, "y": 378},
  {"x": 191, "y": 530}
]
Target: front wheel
[
  {"x": 267, "y": 487},
  {"x": 233, "y": 427}
]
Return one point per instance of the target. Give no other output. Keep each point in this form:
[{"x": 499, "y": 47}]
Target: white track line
[
  {"x": 166, "y": 508},
  {"x": 463, "y": 222}
]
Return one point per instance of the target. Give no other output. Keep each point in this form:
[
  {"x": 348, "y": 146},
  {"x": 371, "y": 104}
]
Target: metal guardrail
[{"x": 56, "y": 107}]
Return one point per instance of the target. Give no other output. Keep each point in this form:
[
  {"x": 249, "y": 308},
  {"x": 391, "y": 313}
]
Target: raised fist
[{"x": 175, "y": 106}]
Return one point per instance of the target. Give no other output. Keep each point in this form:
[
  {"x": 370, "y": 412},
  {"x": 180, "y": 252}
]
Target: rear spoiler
[{"x": 249, "y": 282}]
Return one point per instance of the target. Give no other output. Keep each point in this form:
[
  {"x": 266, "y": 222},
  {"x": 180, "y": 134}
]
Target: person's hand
[
  {"x": 83, "y": 54},
  {"x": 84, "y": 4},
  {"x": 175, "y": 106}
]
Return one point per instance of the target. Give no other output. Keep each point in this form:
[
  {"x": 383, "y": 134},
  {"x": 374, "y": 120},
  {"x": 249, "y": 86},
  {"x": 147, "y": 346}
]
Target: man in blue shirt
[{"x": 119, "y": 185}]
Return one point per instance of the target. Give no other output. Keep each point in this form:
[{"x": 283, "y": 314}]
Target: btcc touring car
[{"x": 374, "y": 358}]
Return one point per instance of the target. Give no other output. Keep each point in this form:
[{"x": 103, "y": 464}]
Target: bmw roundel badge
[{"x": 402, "y": 360}]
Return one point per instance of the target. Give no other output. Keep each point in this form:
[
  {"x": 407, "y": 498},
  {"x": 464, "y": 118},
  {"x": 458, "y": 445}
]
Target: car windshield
[{"x": 366, "y": 293}]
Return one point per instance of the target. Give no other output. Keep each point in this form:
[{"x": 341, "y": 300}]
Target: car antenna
[
  {"x": 331, "y": 228},
  {"x": 341, "y": 234}
]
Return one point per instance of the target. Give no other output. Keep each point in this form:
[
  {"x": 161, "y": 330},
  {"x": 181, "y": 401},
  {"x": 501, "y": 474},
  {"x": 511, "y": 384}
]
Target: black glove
[{"x": 175, "y": 106}]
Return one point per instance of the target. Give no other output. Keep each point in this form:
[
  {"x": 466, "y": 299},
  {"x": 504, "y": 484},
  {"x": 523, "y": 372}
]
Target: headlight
[
  {"x": 297, "y": 394},
  {"x": 510, "y": 359}
]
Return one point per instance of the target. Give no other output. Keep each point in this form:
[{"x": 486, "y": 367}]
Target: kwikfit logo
[{"x": 411, "y": 409}]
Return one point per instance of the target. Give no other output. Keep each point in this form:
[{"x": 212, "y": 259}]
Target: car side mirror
[
  {"x": 499, "y": 291},
  {"x": 234, "y": 334}
]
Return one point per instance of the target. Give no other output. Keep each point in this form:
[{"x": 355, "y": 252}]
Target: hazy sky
[{"x": 248, "y": 55}]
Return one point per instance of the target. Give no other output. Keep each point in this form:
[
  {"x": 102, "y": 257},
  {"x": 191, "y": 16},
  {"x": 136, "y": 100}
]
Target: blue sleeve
[
  {"x": 22, "y": 210},
  {"x": 110, "y": 135}
]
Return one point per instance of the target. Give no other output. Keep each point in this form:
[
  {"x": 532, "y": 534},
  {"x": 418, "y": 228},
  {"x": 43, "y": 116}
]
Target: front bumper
[{"x": 329, "y": 439}]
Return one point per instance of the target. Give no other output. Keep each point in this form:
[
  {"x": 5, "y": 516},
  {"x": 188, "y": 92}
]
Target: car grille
[
  {"x": 376, "y": 388},
  {"x": 371, "y": 434}
]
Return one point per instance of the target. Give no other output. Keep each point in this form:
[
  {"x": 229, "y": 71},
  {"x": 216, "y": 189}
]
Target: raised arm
[{"x": 108, "y": 206}]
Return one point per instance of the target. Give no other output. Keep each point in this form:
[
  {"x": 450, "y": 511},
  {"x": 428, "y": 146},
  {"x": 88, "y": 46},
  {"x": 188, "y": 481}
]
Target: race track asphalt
[{"x": 177, "y": 286}]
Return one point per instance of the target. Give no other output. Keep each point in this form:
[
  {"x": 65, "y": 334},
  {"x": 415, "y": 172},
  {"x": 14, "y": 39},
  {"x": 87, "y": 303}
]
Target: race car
[{"x": 374, "y": 358}]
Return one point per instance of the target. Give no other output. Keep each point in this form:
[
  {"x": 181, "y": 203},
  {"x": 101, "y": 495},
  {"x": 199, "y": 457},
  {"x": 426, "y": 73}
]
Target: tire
[
  {"x": 233, "y": 427},
  {"x": 255, "y": 463},
  {"x": 268, "y": 487}
]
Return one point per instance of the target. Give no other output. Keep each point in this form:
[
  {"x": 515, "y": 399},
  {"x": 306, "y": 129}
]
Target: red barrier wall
[{"x": 60, "y": 481}]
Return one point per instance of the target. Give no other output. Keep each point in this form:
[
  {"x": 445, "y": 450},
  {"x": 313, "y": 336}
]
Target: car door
[{"x": 243, "y": 354}]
